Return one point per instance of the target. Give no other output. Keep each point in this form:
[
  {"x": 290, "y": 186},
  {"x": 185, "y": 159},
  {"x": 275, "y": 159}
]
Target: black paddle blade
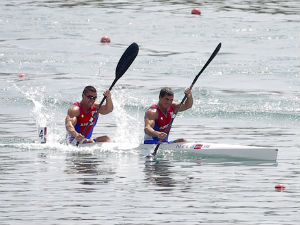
[
  {"x": 206, "y": 64},
  {"x": 126, "y": 59}
]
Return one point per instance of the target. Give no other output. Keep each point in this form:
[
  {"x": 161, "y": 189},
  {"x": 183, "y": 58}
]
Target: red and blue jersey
[
  {"x": 161, "y": 123},
  {"x": 83, "y": 119}
]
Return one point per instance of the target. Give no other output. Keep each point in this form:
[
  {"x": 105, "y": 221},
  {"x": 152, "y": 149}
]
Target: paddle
[
  {"x": 124, "y": 63},
  {"x": 194, "y": 81}
]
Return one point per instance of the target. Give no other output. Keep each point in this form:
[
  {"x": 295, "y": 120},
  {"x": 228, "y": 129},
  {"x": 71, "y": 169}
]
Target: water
[{"x": 248, "y": 95}]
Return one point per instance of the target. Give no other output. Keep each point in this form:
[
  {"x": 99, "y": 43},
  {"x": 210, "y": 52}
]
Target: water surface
[{"x": 248, "y": 95}]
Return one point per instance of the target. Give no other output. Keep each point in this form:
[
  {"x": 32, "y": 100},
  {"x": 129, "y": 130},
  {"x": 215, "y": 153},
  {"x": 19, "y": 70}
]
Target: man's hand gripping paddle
[
  {"x": 194, "y": 81},
  {"x": 124, "y": 63}
]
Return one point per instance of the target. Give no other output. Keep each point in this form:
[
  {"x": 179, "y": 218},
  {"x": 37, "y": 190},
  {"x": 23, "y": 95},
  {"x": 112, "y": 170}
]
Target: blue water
[{"x": 248, "y": 95}]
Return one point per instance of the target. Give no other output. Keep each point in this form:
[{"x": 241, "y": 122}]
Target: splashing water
[
  {"x": 129, "y": 126},
  {"x": 43, "y": 111}
]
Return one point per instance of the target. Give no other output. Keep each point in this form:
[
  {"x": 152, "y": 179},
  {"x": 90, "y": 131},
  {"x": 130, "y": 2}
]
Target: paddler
[
  {"x": 158, "y": 116},
  {"x": 80, "y": 113}
]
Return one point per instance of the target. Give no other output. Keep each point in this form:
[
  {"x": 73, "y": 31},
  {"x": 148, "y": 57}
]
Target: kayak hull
[
  {"x": 199, "y": 150},
  {"x": 223, "y": 150}
]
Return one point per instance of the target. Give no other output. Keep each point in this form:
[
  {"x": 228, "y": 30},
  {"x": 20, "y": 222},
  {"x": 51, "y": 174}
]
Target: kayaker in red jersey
[
  {"x": 158, "y": 116},
  {"x": 80, "y": 113}
]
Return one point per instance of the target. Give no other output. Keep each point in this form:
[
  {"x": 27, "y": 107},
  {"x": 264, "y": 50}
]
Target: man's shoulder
[
  {"x": 74, "y": 110},
  {"x": 175, "y": 105},
  {"x": 151, "y": 113},
  {"x": 153, "y": 108},
  {"x": 75, "y": 107}
]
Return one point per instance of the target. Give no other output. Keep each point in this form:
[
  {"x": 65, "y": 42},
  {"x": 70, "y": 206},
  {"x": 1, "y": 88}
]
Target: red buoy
[
  {"x": 22, "y": 75},
  {"x": 279, "y": 187},
  {"x": 196, "y": 11},
  {"x": 105, "y": 39}
]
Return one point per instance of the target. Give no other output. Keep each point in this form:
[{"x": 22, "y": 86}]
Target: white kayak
[
  {"x": 222, "y": 150},
  {"x": 199, "y": 149}
]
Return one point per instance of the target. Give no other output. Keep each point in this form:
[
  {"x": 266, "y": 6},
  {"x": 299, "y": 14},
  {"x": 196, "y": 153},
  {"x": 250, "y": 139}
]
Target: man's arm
[
  {"x": 188, "y": 103},
  {"x": 71, "y": 120},
  {"x": 108, "y": 106},
  {"x": 150, "y": 117}
]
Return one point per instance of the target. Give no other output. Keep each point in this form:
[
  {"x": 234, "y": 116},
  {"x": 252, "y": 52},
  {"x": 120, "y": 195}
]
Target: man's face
[
  {"x": 166, "y": 101},
  {"x": 89, "y": 98}
]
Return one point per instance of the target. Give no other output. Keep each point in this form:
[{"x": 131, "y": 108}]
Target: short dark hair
[
  {"x": 88, "y": 89},
  {"x": 166, "y": 91}
]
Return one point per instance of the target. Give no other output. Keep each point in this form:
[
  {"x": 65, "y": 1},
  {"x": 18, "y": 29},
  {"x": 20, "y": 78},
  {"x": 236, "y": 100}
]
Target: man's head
[
  {"x": 89, "y": 95},
  {"x": 88, "y": 89},
  {"x": 166, "y": 91},
  {"x": 166, "y": 97}
]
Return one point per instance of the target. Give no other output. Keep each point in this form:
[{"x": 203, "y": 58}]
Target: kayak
[
  {"x": 222, "y": 150},
  {"x": 199, "y": 149}
]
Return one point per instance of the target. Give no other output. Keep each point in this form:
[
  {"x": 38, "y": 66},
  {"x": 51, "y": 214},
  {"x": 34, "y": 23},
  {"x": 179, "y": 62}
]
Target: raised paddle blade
[
  {"x": 206, "y": 64},
  {"x": 126, "y": 59}
]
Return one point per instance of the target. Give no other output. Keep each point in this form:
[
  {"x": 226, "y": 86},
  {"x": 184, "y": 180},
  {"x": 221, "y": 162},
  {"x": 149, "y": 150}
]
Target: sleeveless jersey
[
  {"x": 83, "y": 119},
  {"x": 161, "y": 123}
]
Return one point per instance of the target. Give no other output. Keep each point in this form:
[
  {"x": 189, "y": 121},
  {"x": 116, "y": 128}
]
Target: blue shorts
[{"x": 156, "y": 142}]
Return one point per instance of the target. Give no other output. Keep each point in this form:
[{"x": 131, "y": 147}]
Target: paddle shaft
[{"x": 185, "y": 97}]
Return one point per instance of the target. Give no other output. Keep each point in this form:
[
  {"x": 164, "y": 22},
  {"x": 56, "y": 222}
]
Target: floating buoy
[
  {"x": 279, "y": 187},
  {"x": 105, "y": 39},
  {"x": 196, "y": 11},
  {"x": 22, "y": 75}
]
